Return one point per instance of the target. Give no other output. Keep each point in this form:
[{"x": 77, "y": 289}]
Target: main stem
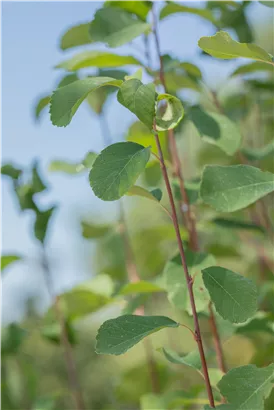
[
  {"x": 69, "y": 359},
  {"x": 185, "y": 209},
  {"x": 189, "y": 280}
]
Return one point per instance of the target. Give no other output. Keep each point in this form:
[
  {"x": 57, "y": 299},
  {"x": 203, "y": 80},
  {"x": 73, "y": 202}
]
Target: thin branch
[{"x": 216, "y": 339}]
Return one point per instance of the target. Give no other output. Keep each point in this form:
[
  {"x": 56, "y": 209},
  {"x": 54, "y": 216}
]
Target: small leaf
[
  {"x": 230, "y": 188},
  {"x": 76, "y": 36},
  {"x": 24, "y": 195},
  {"x": 116, "y": 336},
  {"x": 246, "y": 387},
  {"x": 259, "y": 153},
  {"x": 41, "y": 223},
  {"x": 217, "y": 129},
  {"x": 41, "y": 105},
  {"x": 176, "y": 81},
  {"x": 99, "y": 59},
  {"x": 154, "y": 195},
  {"x": 11, "y": 171},
  {"x": 222, "y": 46},
  {"x": 252, "y": 68},
  {"x": 53, "y": 333},
  {"x": 117, "y": 168},
  {"x": 173, "y": 114},
  {"x": 73, "y": 168},
  {"x": 140, "y": 287},
  {"x": 191, "y": 359},
  {"x": 234, "y": 296},
  {"x": 237, "y": 224},
  {"x": 37, "y": 183},
  {"x": 116, "y": 27},
  {"x": 94, "y": 231},
  {"x": 267, "y": 3},
  {"x": 140, "y": 8},
  {"x": 137, "y": 75},
  {"x": 139, "y": 98},
  {"x": 6, "y": 260},
  {"x": 172, "y": 8},
  {"x": 65, "y": 101}
]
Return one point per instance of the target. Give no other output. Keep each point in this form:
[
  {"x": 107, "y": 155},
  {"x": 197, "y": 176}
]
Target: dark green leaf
[
  {"x": 11, "y": 171},
  {"x": 41, "y": 223},
  {"x": 37, "y": 183},
  {"x": 263, "y": 323},
  {"x": 230, "y": 188},
  {"x": 116, "y": 336},
  {"x": 41, "y": 105},
  {"x": 6, "y": 260},
  {"x": 11, "y": 339},
  {"x": 67, "y": 79},
  {"x": 116, "y": 27},
  {"x": 140, "y": 134},
  {"x": 172, "y": 8},
  {"x": 76, "y": 36},
  {"x": 117, "y": 168},
  {"x": 94, "y": 231},
  {"x": 234, "y": 296}
]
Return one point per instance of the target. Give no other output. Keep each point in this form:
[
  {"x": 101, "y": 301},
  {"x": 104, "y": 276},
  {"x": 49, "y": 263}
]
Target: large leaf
[
  {"x": 172, "y": 115},
  {"x": 191, "y": 359},
  {"x": 230, "y": 188},
  {"x": 7, "y": 260},
  {"x": 66, "y": 100},
  {"x": 246, "y": 387},
  {"x": 41, "y": 223},
  {"x": 76, "y": 36},
  {"x": 176, "y": 285},
  {"x": 140, "y": 8},
  {"x": 172, "y": 8},
  {"x": 99, "y": 59},
  {"x": 234, "y": 296},
  {"x": 252, "y": 68},
  {"x": 139, "y": 98},
  {"x": 116, "y": 336},
  {"x": 115, "y": 27},
  {"x": 217, "y": 129},
  {"x": 117, "y": 168},
  {"x": 221, "y": 45}
]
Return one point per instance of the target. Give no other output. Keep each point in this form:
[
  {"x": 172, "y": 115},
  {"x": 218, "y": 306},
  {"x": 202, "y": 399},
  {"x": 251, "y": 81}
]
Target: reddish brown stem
[
  {"x": 187, "y": 275},
  {"x": 216, "y": 340}
]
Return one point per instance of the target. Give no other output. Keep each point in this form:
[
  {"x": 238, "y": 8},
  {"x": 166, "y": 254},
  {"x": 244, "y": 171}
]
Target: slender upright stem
[
  {"x": 188, "y": 278},
  {"x": 69, "y": 359},
  {"x": 216, "y": 340},
  {"x": 186, "y": 212}
]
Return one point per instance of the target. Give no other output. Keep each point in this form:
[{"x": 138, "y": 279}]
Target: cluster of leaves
[{"x": 218, "y": 189}]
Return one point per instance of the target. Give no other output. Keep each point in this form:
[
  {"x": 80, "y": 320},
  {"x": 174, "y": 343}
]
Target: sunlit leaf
[
  {"x": 116, "y": 336},
  {"x": 250, "y": 68},
  {"x": 154, "y": 195},
  {"x": 230, "y": 188},
  {"x": 7, "y": 260},
  {"x": 172, "y": 8},
  {"x": 93, "y": 231},
  {"x": 73, "y": 168},
  {"x": 76, "y": 36},
  {"x": 140, "y": 287},
  {"x": 140, "y": 8},
  {"x": 234, "y": 296}
]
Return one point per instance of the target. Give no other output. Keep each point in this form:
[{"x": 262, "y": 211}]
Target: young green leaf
[
  {"x": 234, "y": 296},
  {"x": 37, "y": 183},
  {"x": 173, "y": 114},
  {"x": 246, "y": 387},
  {"x": 253, "y": 68},
  {"x": 65, "y": 101},
  {"x": 117, "y": 168},
  {"x": 191, "y": 359},
  {"x": 221, "y": 45},
  {"x": 115, "y": 27},
  {"x": 154, "y": 195},
  {"x": 176, "y": 285},
  {"x": 40, "y": 106},
  {"x": 76, "y": 36},
  {"x": 140, "y": 287},
  {"x": 116, "y": 336},
  {"x": 11, "y": 171},
  {"x": 99, "y": 59},
  {"x": 258, "y": 154},
  {"x": 217, "y": 129},
  {"x": 6, "y": 260},
  {"x": 172, "y": 8},
  {"x": 140, "y": 8},
  {"x": 139, "y": 98},
  {"x": 94, "y": 231},
  {"x": 139, "y": 133},
  {"x": 230, "y": 188},
  {"x": 41, "y": 223},
  {"x": 73, "y": 168}
]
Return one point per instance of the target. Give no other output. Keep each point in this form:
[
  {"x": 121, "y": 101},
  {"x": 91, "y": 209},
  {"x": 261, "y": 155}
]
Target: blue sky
[{"x": 30, "y": 38}]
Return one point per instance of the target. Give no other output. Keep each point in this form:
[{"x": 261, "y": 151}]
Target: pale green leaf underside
[
  {"x": 217, "y": 129},
  {"x": 191, "y": 359},
  {"x": 140, "y": 287},
  {"x": 116, "y": 27},
  {"x": 73, "y": 168},
  {"x": 116, "y": 336},
  {"x": 154, "y": 195},
  {"x": 173, "y": 114},
  {"x": 66, "y": 100},
  {"x": 253, "y": 68},
  {"x": 99, "y": 59},
  {"x": 221, "y": 45},
  {"x": 7, "y": 260},
  {"x": 230, "y": 188},
  {"x": 246, "y": 387},
  {"x": 256, "y": 154},
  {"x": 117, "y": 168},
  {"x": 234, "y": 296},
  {"x": 75, "y": 36}
]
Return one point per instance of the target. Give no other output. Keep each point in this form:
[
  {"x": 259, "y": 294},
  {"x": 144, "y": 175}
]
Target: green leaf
[
  {"x": 116, "y": 336},
  {"x": 139, "y": 133},
  {"x": 222, "y": 46},
  {"x": 237, "y": 224},
  {"x": 53, "y": 333},
  {"x": 259, "y": 153},
  {"x": 67, "y": 79},
  {"x": 192, "y": 190},
  {"x": 176, "y": 81},
  {"x": 139, "y": 98},
  {"x": 37, "y": 183},
  {"x": 234, "y": 296},
  {"x": 45, "y": 403},
  {"x": 65, "y": 101},
  {"x": 252, "y": 68},
  {"x": 154, "y": 195},
  {"x": 262, "y": 323},
  {"x": 217, "y": 129},
  {"x": 24, "y": 195},
  {"x": 140, "y": 8},
  {"x": 140, "y": 287},
  {"x": 175, "y": 282},
  {"x": 137, "y": 75},
  {"x": 172, "y": 8},
  {"x": 76, "y": 36},
  {"x": 267, "y": 3},
  {"x": 191, "y": 359},
  {"x": 117, "y": 168},
  {"x": 246, "y": 387},
  {"x": 99, "y": 59},
  {"x": 6, "y": 260},
  {"x": 173, "y": 114},
  {"x": 94, "y": 231},
  {"x": 41, "y": 223},
  {"x": 11, "y": 339},
  {"x": 115, "y": 27},
  {"x": 73, "y": 168},
  {"x": 11, "y": 171},
  {"x": 41, "y": 105},
  {"x": 230, "y": 188}
]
